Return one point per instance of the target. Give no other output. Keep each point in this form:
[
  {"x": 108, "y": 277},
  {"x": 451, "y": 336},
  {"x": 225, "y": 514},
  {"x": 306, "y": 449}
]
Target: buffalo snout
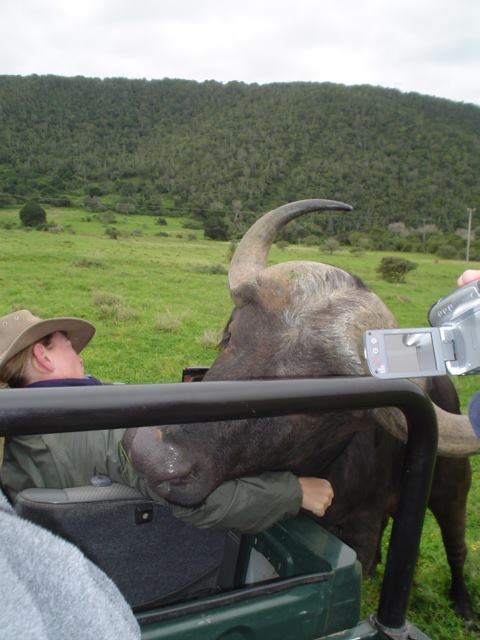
[{"x": 169, "y": 469}]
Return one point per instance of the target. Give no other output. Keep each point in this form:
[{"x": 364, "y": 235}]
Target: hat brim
[{"x": 78, "y": 331}]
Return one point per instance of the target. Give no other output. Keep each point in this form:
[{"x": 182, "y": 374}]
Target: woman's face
[{"x": 65, "y": 360}]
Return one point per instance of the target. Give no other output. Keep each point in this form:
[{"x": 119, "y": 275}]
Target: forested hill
[{"x": 241, "y": 148}]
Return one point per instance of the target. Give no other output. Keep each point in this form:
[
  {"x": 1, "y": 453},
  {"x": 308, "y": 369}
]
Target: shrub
[
  {"x": 311, "y": 240},
  {"x": 7, "y": 224},
  {"x": 282, "y": 244},
  {"x": 356, "y": 251},
  {"x": 113, "y": 307},
  {"x": 107, "y": 217},
  {"x": 447, "y": 252},
  {"x": 330, "y": 245},
  {"x": 213, "y": 269},
  {"x": 125, "y": 207},
  {"x": 32, "y": 214},
  {"x": 216, "y": 228},
  {"x": 94, "y": 191},
  {"x": 160, "y": 221},
  {"x": 394, "y": 269},
  {"x": 168, "y": 321},
  {"x": 192, "y": 224},
  {"x": 210, "y": 339},
  {"x": 93, "y": 203},
  {"x": 88, "y": 263},
  {"x": 111, "y": 232}
]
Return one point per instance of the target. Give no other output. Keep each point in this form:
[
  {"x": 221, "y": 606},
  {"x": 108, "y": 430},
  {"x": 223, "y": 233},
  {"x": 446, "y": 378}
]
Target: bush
[
  {"x": 394, "y": 269},
  {"x": 169, "y": 321},
  {"x": 330, "y": 245},
  {"x": 311, "y": 240},
  {"x": 192, "y": 224},
  {"x": 7, "y": 224},
  {"x": 112, "y": 307},
  {"x": 447, "y": 252},
  {"x": 107, "y": 217},
  {"x": 160, "y": 220},
  {"x": 111, "y": 232},
  {"x": 216, "y": 228},
  {"x": 32, "y": 214},
  {"x": 212, "y": 269},
  {"x": 88, "y": 263}
]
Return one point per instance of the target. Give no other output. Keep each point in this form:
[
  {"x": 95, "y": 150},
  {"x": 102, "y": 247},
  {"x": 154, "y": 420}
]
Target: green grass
[{"x": 155, "y": 298}]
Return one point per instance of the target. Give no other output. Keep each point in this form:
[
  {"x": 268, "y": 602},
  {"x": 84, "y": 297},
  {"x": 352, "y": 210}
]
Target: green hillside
[{"x": 233, "y": 150}]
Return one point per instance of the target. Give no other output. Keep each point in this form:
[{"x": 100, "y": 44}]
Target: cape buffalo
[{"x": 306, "y": 319}]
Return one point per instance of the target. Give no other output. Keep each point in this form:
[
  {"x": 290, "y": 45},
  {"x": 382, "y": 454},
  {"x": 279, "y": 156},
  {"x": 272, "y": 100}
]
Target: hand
[
  {"x": 468, "y": 276},
  {"x": 317, "y": 495}
]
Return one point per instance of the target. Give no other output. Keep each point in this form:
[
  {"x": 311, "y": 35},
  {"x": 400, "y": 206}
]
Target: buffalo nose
[{"x": 160, "y": 463}]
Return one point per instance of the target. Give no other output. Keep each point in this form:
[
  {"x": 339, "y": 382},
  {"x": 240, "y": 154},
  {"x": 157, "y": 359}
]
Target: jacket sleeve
[
  {"x": 71, "y": 459},
  {"x": 248, "y": 504}
]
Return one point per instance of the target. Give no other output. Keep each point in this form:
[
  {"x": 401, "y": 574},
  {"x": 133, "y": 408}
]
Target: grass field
[{"x": 159, "y": 301}]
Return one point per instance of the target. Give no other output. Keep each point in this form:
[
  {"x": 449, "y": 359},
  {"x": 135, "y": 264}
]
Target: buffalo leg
[{"x": 448, "y": 501}]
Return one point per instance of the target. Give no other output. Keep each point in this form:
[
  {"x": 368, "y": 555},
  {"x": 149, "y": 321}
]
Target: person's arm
[
  {"x": 248, "y": 504},
  {"x": 252, "y": 504}
]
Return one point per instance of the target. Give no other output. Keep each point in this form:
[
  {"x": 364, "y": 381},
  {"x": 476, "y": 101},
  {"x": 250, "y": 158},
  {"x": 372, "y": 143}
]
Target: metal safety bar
[{"x": 55, "y": 410}]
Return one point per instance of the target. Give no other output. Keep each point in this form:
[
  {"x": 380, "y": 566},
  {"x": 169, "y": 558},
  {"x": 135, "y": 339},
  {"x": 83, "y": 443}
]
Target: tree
[{"x": 32, "y": 214}]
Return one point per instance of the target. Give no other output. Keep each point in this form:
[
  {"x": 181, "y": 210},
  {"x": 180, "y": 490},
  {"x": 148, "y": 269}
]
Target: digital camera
[{"x": 450, "y": 345}]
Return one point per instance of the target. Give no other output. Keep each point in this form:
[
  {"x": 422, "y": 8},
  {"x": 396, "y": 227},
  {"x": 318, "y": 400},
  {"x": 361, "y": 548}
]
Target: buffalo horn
[
  {"x": 251, "y": 255},
  {"x": 456, "y": 437}
]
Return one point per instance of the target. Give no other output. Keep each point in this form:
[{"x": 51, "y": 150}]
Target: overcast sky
[{"x": 428, "y": 46}]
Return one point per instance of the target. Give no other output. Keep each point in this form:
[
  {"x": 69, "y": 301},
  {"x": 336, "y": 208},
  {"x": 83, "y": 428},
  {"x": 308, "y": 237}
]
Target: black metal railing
[{"x": 54, "y": 410}]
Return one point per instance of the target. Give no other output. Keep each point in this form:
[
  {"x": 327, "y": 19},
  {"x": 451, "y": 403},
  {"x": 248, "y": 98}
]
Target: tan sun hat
[{"x": 20, "y": 329}]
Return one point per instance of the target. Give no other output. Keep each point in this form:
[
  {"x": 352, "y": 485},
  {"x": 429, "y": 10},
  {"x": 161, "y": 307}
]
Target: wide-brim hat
[{"x": 20, "y": 329}]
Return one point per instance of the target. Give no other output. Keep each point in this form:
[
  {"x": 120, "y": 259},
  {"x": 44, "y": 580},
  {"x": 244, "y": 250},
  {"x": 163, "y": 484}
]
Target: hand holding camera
[{"x": 451, "y": 344}]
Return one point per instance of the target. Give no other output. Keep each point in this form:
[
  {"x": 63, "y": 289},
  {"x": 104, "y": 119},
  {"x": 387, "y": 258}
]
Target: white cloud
[{"x": 428, "y": 46}]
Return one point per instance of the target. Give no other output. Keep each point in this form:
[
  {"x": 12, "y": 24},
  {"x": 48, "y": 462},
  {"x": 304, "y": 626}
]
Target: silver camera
[{"x": 451, "y": 344}]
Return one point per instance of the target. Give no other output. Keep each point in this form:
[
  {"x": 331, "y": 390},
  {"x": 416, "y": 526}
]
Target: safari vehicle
[{"x": 293, "y": 581}]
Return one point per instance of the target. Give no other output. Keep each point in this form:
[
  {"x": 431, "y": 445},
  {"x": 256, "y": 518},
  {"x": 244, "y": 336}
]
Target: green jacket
[{"x": 71, "y": 459}]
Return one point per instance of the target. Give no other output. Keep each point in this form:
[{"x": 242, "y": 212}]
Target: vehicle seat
[{"x": 152, "y": 557}]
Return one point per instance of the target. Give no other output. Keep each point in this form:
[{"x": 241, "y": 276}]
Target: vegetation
[
  {"x": 156, "y": 312},
  {"x": 32, "y": 214},
  {"x": 220, "y": 154},
  {"x": 394, "y": 269}
]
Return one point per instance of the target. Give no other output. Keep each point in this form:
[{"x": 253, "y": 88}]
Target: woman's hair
[{"x": 14, "y": 371}]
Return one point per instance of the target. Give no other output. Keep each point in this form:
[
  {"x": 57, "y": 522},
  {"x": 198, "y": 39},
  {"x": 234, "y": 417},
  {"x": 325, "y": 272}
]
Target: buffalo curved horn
[
  {"x": 456, "y": 437},
  {"x": 251, "y": 255}
]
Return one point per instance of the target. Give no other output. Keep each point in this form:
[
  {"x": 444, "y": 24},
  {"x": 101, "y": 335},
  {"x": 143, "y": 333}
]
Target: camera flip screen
[{"x": 409, "y": 352}]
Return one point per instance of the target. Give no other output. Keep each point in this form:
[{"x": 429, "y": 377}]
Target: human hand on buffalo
[{"x": 317, "y": 495}]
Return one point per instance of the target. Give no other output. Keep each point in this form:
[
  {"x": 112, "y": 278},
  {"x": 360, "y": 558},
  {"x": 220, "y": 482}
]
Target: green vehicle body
[{"x": 317, "y": 593}]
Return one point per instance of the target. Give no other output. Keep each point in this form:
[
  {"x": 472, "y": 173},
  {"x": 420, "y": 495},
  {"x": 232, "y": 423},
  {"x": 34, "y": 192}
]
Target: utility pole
[{"x": 471, "y": 211}]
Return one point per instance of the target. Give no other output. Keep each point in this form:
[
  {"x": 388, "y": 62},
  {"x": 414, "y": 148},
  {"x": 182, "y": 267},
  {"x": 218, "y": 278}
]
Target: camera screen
[{"x": 409, "y": 352}]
